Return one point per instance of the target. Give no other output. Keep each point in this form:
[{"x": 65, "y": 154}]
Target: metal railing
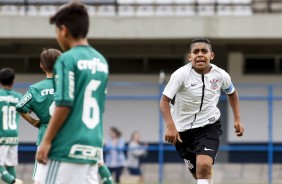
[{"x": 256, "y": 6}]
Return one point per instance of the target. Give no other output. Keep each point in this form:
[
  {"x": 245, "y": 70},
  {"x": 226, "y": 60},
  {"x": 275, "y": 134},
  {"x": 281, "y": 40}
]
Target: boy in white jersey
[
  {"x": 39, "y": 99},
  {"x": 193, "y": 126},
  {"x": 9, "y": 122},
  {"x": 72, "y": 146}
]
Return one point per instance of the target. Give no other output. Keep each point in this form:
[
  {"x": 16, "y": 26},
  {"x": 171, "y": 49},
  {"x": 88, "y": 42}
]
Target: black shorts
[{"x": 199, "y": 141}]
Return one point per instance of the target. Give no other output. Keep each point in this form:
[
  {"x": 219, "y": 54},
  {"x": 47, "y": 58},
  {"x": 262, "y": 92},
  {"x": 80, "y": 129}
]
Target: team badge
[
  {"x": 188, "y": 164},
  {"x": 214, "y": 85}
]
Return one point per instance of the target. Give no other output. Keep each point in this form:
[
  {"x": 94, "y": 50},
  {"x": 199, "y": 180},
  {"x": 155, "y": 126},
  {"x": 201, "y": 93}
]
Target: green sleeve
[{"x": 24, "y": 105}]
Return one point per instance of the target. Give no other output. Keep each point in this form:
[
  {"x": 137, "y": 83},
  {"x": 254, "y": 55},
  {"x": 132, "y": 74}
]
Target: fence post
[{"x": 270, "y": 132}]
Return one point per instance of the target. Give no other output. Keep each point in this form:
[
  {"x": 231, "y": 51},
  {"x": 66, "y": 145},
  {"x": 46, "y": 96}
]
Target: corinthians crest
[
  {"x": 214, "y": 85},
  {"x": 188, "y": 164}
]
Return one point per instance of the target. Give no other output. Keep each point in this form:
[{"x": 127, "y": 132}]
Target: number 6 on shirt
[{"x": 91, "y": 111}]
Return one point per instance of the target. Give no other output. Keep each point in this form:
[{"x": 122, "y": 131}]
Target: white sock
[{"x": 204, "y": 181}]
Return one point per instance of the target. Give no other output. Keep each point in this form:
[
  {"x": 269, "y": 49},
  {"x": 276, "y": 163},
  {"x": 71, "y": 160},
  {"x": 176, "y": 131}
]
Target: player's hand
[
  {"x": 42, "y": 152},
  {"x": 239, "y": 128},
  {"x": 172, "y": 136}
]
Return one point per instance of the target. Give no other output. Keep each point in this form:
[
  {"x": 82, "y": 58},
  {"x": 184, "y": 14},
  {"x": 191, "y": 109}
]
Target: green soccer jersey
[
  {"x": 9, "y": 117},
  {"x": 81, "y": 76},
  {"x": 39, "y": 99}
]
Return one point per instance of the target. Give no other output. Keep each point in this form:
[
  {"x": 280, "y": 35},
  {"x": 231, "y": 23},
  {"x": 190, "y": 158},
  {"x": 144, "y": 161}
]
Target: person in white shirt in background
[{"x": 136, "y": 150}]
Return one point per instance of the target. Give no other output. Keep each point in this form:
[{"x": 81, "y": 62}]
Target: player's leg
[
  {"x": 105, "y": 174},
  {"x": 185, "y": 152},
  {"x": 12, "y": 161},
  {"x": 5, "y": 159},
  {"x": 6, "y": 176},
  {"x": 204, "y": 169},
  {"x": 207, "y": 148},
  {"x": 205, "y": 181},
  {"x": 11, "y": 170}
]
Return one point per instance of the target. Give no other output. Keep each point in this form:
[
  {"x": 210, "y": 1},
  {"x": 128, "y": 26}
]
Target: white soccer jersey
[{"x": 196, "y": 96}]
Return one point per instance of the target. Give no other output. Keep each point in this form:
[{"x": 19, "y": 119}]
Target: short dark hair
[
  {"x": 7, "y": 76},
  {"x": 116, "y": 131},
  {"x": 48, "y": 58},
  {"x": 75, "y": 17},
  {"x": 200, "y": 40}
]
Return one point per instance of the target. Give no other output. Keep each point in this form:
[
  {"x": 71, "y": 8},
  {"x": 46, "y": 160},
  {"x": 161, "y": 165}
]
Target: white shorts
[
  {"x": 8, "y": 155},
  {"x": 37, "y": 171},
  {"x": 56, "y": 172}
]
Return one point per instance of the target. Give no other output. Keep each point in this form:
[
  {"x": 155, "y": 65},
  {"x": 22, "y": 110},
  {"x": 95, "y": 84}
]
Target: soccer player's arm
[
  {"x": 233, "y": 100},
  {"x": 171, "y": 135},
  {"x": 165, "y": 109},
  {"x": 34, "y": 122},
  {"x": 24, "y": 106}
]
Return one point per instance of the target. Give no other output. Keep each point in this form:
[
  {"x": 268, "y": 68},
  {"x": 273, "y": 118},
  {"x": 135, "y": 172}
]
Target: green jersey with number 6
[
  {"x": 39, "y": 99},
  {"x": 9, "y": 117},
  {"x": 81, "y": 76}
]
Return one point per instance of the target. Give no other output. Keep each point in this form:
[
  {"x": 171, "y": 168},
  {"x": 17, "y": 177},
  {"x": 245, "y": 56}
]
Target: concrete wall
[{"x": 174, "y": 27}]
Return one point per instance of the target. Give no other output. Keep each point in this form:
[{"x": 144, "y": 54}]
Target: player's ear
[
  {"x": 189, "y": 57},
  {"x": 41, "y": 66},
  {"x": 212, "y": 55},
  {"x": 63, "y": 30}
]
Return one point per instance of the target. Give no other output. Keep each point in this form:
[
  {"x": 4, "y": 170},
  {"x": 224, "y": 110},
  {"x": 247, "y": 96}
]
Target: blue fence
[{"x": 270, "y": 148}]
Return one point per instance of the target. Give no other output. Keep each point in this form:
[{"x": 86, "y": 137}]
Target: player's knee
[{"x": 204, "y": 169}]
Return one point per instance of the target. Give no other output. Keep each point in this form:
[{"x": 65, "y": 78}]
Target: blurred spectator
[
  {"x": 136, "y": 150},
  {"x": 115, "y": 153}
]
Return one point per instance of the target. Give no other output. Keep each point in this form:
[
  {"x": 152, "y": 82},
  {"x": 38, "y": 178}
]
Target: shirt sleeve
[
  {"x": 64, "y": 81},
  {"x": 227, "y": 85},
  {"x": 176, "y": 80},
  {"x": 24, "y": 105}
]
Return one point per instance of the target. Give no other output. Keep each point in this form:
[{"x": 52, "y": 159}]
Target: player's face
[{"x": 200, "y": 56}]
